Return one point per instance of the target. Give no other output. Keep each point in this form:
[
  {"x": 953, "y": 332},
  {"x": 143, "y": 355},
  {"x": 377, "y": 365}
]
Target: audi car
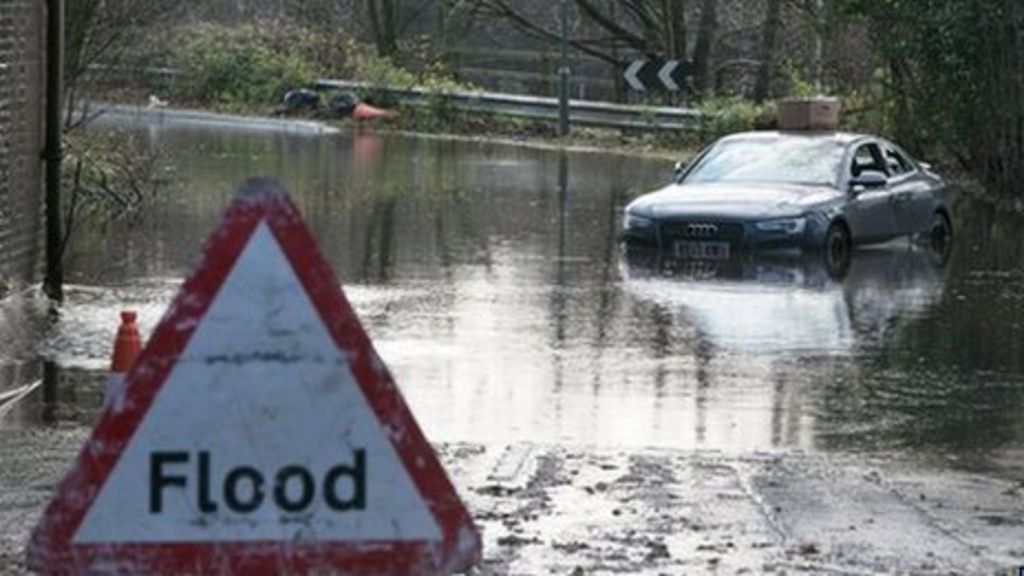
[{"x": 777, "y": 190}]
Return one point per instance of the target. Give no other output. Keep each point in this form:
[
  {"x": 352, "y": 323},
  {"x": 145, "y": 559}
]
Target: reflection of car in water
[
  {"x": 764, "y": 190},
  {"x": 789, "y": 301}
]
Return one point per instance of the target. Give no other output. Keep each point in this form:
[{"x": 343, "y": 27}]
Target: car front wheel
[{"x": 837, "y": 249}]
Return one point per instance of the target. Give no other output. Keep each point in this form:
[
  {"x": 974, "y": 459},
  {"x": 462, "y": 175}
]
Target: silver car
[{"x": 768, "y": 190}]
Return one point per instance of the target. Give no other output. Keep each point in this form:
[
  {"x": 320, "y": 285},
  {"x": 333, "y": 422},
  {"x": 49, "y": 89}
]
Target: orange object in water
[
  {"x": 127, "y": 345},
  {"x": 367, "y": 112}
]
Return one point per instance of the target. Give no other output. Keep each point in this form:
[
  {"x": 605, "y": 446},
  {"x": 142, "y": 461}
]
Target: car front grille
[{"x": 701, "y": 230}]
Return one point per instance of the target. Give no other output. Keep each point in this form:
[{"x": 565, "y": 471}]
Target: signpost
[
  {"x": 643, "y": 75},
  {"x": 258, "y": 433},
  {"x": 564, "y": 72}
]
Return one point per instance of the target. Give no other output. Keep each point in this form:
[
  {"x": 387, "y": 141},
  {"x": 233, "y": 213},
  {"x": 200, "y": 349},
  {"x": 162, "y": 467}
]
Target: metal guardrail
[
  {"x": 581, "y": 112},
  {"x": 10, "y": 398}
]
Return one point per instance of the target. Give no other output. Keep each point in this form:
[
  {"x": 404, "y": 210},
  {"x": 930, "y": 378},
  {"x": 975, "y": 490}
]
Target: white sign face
[{"x": 259, "y": 433}]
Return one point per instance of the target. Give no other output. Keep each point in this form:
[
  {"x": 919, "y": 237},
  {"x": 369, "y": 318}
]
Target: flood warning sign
[{"x": 259, "y": 432}]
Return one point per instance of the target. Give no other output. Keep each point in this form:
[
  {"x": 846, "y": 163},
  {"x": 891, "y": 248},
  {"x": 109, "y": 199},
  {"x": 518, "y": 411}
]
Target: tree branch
[
  {"x": 501, "y": 9},
  {"x": 603, "y": 21}
]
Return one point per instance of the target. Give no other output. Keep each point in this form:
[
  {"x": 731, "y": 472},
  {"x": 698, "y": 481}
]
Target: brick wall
[{"x": 21, "y": 105}]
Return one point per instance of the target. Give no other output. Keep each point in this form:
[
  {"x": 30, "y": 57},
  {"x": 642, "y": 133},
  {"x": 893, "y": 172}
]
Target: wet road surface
[{"x": 598, "y": 409}]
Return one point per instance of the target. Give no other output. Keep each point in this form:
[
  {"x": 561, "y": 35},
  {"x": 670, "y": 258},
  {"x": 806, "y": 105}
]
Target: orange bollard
[
  {"x": 127, "y": 347},
  {"x": 366, "y": 112}
]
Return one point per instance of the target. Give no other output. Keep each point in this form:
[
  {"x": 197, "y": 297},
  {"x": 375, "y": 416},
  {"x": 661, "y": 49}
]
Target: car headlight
[
  {"x": 634, "y": 222},
  {"x": 787, "y": 225}
]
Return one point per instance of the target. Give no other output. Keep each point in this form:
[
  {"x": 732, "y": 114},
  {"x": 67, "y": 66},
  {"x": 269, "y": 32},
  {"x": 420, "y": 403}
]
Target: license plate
[{"x": 702, "y": 250}]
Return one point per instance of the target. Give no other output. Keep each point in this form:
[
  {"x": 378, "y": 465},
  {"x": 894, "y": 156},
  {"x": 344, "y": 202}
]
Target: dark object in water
[
  {"x": 342, "y": 104},
  {"x": 301, "y": 99},
  {"x": 348, "y": 104}
]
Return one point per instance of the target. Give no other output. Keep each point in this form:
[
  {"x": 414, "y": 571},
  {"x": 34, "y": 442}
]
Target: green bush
[
  {"x": 364, "y": 65},
  {"x": 954, "y": 80},
  {"x": 255, "y": 64},
  {"x": 728, "y": 115},
  {"x": 252, "y": 64}
]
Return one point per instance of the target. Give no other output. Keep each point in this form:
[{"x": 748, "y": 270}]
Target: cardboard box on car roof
[{"x": 818, "y": 113}]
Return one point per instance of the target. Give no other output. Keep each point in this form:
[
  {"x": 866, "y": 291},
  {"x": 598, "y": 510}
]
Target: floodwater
[{"x": 490, "y": 279}]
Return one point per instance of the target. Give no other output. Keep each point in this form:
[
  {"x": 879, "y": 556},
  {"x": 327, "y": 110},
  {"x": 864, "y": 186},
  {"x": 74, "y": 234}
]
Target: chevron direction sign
[{"x": 644, "y": 74}]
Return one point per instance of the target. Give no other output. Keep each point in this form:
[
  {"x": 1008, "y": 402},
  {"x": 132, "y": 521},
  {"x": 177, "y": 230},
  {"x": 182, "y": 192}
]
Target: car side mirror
[
  {"x": 868, "y": 179},
  {"x": 679, "y": 169}
]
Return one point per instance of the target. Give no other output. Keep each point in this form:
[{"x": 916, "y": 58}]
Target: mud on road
[{"x": 547, "y": 509}]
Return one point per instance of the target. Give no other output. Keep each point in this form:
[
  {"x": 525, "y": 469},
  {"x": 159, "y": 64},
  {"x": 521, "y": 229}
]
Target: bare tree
[
  {"x": 106, "y": 183},
  {"x": 387, "y": 22},
  {"x": 383, "y": 23},
  {"x": 452, "y": 18},
  {"x": 652, "y": 27},
  {"x": 766, "y": 56},
  {"x": 705, "y": 41},
  {"x": 110, "y": 176},
  {"x": 99, "y": 33}
]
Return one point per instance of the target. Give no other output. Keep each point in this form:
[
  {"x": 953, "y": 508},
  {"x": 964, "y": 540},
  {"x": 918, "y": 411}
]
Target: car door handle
[{"x": 901, "y": 197}]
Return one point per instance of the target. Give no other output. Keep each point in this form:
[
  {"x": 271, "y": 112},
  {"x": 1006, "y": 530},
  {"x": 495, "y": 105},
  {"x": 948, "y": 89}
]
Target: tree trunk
[
  {"x": 675, "y": 29},
  {"x": 766, "y": 72},
  {"x": 899, "y": 94},
  {"x": 705, "y": 40},
  {"x": 382, "y": 24},
  {"x": 79, "y": 19},
  {"x": 620, "y": 83},
  {"x": 1013, "y": 52},
  {"x": 997, "y": 129},
  {"x": 440, "y": 39}
]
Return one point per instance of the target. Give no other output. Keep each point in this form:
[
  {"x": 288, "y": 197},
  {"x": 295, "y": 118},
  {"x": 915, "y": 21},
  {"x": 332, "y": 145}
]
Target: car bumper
[{"x": 742, "y": 236}]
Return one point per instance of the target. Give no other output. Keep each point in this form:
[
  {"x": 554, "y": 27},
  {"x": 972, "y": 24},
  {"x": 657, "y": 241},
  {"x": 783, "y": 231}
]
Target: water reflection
[
  {"x": 789, "y": 303},
  {"x": 952, "y": 380}
]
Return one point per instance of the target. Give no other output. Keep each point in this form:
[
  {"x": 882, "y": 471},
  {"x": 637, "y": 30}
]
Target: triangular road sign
[{"x": 259, "y": 433}]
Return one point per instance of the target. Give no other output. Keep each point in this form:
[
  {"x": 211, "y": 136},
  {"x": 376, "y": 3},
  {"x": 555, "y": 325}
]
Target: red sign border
[{"x": 51, "y": 550}]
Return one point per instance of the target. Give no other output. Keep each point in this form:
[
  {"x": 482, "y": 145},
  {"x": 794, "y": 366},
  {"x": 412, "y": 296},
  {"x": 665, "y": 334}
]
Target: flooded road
[
  {"x": 490, "y": 278},
  {"x": 507, "y": 310}
]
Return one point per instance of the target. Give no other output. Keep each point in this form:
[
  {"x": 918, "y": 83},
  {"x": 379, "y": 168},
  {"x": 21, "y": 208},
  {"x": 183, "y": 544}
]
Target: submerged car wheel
[
  {"x": 837, "y": 249},
  {"x": 940, "y": 236}
]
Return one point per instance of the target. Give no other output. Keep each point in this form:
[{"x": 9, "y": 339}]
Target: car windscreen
[{"x": 793, "y": 160}]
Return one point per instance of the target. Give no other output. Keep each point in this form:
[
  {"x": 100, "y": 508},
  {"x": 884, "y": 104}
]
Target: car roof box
[{"x": 817, "y": 113}]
